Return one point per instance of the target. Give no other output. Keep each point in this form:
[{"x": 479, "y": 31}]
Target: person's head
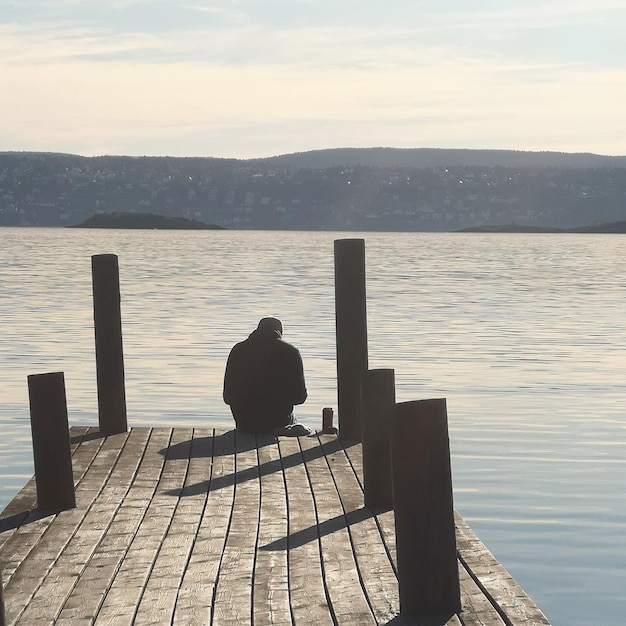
[{"x": 269, "y": 324}]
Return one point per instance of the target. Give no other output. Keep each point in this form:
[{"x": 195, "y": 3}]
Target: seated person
[{"x": 263, "y": 380}]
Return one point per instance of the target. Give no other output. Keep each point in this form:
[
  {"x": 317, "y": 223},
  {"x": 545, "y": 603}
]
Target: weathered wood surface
[{"x": 199, "y": 527}]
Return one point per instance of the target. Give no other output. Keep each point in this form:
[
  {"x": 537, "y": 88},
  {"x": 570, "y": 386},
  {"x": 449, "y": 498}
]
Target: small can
[{"x": 327, "y": 418}]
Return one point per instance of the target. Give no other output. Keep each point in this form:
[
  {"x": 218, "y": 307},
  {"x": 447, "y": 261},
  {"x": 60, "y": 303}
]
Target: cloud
[
  {"x": 233, "y": 79},
  {"x": 333, "y": 34},
  {"x": 445, "y": 100}
]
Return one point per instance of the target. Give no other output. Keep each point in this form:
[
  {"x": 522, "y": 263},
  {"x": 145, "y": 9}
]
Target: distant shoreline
[
  {"x": 614, "y": 228},
  {"x": 153, "y": 221}
]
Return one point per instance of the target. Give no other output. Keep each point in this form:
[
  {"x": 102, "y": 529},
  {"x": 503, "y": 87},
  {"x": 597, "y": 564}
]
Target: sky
[{"x": 255, "y": 78}]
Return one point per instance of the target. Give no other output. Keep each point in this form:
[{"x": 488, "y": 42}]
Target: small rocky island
[{"x": 148, "y": 221}]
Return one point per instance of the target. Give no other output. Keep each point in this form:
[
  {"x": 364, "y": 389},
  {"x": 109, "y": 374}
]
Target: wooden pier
[{"x": 198, "y": 526}]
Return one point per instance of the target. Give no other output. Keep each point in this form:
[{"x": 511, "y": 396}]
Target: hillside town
[{"x": 56, "y": 190}]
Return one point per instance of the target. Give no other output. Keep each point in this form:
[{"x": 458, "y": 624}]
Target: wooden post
[
  {"x": 51, "y": 442},
  {"x": 379, "y": 398},
  {"x": 109, "y": 354},
  {"x": 428, "y": 576},
  {"x": 351, "y": 333}
]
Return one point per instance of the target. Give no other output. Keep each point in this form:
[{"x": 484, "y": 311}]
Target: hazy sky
[{"x": 244, "y": 78}]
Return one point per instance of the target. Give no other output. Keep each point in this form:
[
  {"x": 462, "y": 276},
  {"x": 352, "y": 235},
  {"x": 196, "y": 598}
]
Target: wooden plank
[
  {"x": 354, "y": 452},
  {"x": 307, "y": 589},
  {"x": 23, "y": 508},
  {"x": 85, "y": 599},
  {"x": 23, "y": 526},
  {"x": 378, "y": 577},
  {"x": 349, "y": 602},
  {"x": 477, "y": 609},
  {"x": 111, "y": 474},
  {"x": 176, "y": 539},
  {"x": 384, "y": 520},
  {"x": 271, "y": 574},
  {"x": 169, "y": 584},
  {"x": 496, "y": 583},
  {"x": 233, "y": 592},
  {"x": 126, "y": 525},
  {"x": 35, "y": 564},
  {"x": 195, "y": 604},
  {"x": 25, "y": 501},
  {"x": 148, "y": 510}
]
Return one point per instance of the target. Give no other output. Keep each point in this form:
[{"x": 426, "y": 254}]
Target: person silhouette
[{"x": 263, "y": 380}]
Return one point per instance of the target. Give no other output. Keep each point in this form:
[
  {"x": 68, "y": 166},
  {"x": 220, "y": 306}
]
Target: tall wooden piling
[
  {"x": 428, "y": 577},
  {"x": 109, "y": 353},
  {"x": 378, "y": 398},
  {"x": 51, "y": 442},
  {"x": 351, "y": 333}
]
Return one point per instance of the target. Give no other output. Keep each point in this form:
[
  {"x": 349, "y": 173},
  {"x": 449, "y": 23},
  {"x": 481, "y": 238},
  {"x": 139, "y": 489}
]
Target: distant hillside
[
  {"x": 373, "y": 189},
  {"x": 148, "y": 221},
  {"x": 371, "y": 157},
  {"x": 435, "y": 157}
]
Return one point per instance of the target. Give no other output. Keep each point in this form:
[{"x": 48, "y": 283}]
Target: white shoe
[{"x": 293, "y": 430}]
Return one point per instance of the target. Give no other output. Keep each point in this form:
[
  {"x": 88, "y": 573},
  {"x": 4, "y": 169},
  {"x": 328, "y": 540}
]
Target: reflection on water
[
  {"x": 523, "y": 334},
  {"x": 16, "y": 465}
]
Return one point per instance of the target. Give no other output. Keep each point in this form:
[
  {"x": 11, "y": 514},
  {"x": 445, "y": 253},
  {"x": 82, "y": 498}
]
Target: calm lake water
[{"x": 525, "y": 335}]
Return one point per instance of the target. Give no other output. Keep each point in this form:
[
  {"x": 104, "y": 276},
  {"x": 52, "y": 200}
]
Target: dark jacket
[{"x": 264, "y": 378}]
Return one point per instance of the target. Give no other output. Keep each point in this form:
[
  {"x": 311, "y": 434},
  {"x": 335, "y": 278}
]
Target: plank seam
[
  {"x": 390, "y": 556},
  {"x": 348, "y": 528},
  {"x": 486, "y": 593},
  {"x": 319, "y": 535},
  {"x": 258, "y": 532},
  {"x": 200, "y": 518},
  {"x": 226, "y": 535},
  {"x": 288, "y": 511}
]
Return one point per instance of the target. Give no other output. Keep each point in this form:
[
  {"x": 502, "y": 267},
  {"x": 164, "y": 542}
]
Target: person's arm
[
  {"x": 229, "y": 393},
  {"x": 299, "y": 384}
]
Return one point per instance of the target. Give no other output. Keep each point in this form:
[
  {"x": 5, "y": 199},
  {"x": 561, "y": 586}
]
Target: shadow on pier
[{"x": 231, "y": 443}]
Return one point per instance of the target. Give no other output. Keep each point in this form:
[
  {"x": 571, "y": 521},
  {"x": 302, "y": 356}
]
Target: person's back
[{"x": 264, "y": 379}]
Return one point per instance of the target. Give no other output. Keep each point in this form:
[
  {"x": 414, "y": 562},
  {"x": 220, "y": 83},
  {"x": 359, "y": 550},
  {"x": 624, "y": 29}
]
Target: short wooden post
[
  {"x": 109, "y": 354},
  {"x": 3, "y": 615},
  {"x": 51, "y": 442},
  {"x": 428, "y": 576},
  {"x": 379, "y": 398},
  {"x": 351, "y": 333}
]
